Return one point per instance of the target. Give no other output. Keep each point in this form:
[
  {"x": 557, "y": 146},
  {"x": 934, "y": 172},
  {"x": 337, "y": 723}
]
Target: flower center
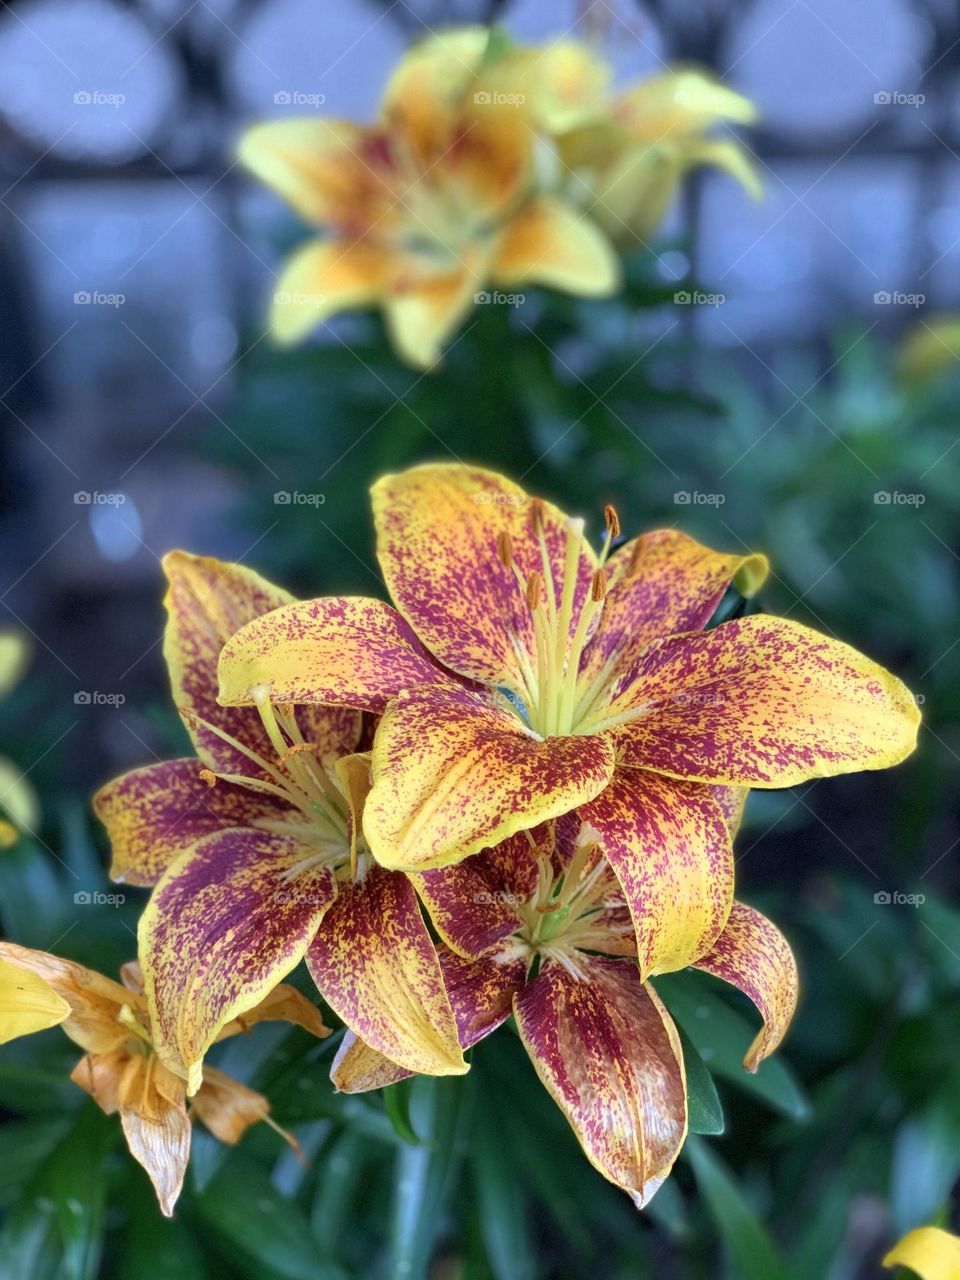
[
  {"x": 292, "y": 775},
  {"x": 561, "y": 623},
  {"x": 563, "y": 917}
]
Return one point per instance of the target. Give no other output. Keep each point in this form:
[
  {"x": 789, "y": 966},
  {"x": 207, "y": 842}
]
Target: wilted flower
[
  {"x": 490, "y": 165},
  {"x": 541, "y": 929},
  {"x": 570, "y": 682},
  {"x": 120, "y": 1068},
  {"x": 255, "y": 852}
]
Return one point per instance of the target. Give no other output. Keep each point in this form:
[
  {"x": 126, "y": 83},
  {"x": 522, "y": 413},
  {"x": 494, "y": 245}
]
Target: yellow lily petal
[
  {"x": 932, "y": 1253},
  {"x": 453, "y": 773},
  {"x": 323, "y": 277},
  {"x": 229, "y": 919},
  {"x": 609, "y": 1055},
  {"x": 207, "y": 602},
  {"x": 552, "y": 243},
  {"x": 17, "y": 796},
  {"x": 930, "y": 348},
  {"x": 753, "y": 955},
  {"x": 680, "y": 102},
  {"x": 376, "y": 966},
  {"x": 669, "y": 846},
  {"x": 758, "y": 701},
  {"x": 14, "y": 659},
  {"x": 437, "y": 532},
  {"x": 423, "y": 308},
  {"x": 153, "y": 814},
  {"x": 92, "y": 999},
  {"x": 333, "y": 172},
  {"x": 350, "y": 652},
  {"x": 27, "y": 1003}
]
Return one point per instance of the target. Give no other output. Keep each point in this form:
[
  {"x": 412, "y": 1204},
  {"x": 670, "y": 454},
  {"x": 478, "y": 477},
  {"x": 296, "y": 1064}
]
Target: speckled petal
[
  {"x": 229, "y": 919},
  {"x": 661, "y": 583},
  {"x": 153, "y": 814},
  {"x": 607, "y": 1052},
  {"x": 376, "y": 966},
  {"x": 437, "y": 528},
  {"x": 453, "y": 773},
  {"x": 668, "y": 843},
  {"x": 758, "y": 701},
  {"x": 351, "y": 652},
  {"x": 207, "y": 601},
  {"x": 753, "y": 955},
  {"x": 481, "y": 994}
]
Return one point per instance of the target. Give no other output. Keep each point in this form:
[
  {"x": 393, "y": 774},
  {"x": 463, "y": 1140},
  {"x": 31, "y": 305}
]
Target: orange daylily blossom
[
  {"x": 120, "y": 1068},
  {"x": 485, "y": 169},
  {"x": 930, "y": 1252},
  {"x": 256, "y": 858},
  {"x": 540, "y": 928},
  {"x": 570, "y": 682}
]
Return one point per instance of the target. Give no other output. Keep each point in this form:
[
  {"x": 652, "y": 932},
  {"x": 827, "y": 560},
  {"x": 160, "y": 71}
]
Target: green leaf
[
  {"x": 722, "y": 1036},
  {"x": 704, "y": 1111},
  {"x": 396, "y": 1101},
  {"x": 256, "y": 1223},
  {"x": 752, "y": 1251},
  {"x": 424, "y": 1173},
  {"x": 501, "y": 1201}
]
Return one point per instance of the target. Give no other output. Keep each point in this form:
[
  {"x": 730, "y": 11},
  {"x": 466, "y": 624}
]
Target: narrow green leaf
[
  {"x": 501, "y": 1202},
  {"x": 396, "y": 1101},
  {"x": 752, "y": 1251},
  {"x": 704, "y": 1111}
]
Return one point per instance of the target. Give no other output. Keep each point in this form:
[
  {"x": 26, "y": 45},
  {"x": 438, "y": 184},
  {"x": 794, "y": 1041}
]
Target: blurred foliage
[{"x": 809, "y": 1169}]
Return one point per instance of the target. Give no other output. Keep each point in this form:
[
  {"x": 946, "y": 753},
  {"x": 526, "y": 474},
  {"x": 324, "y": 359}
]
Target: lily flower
[
  {"x": 434, "y": 202},
  {"x": 570, "y": 681},
  {"x": 120, "y": 1068},
  {"x": 930, "y": 1252},
  {"x": 541, "y": 929},
  {"x": 255, "y": 852}
]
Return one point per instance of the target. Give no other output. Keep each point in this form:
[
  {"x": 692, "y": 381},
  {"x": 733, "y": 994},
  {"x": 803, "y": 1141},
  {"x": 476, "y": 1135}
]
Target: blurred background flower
[{"x": 752, "y": 382}]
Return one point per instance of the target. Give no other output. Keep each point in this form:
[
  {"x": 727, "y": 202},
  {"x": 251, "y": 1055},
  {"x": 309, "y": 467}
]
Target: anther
[
  {"x": 505, "y": 549},
  {"x": 297, "y": 749},
  {"x": 209, "y": 777},
  {"x": 612, "y": 521},
  {"x": 598, "y": 588},
  {"x": 534, "y": 591},
  {"x": 538, "y": 506}
]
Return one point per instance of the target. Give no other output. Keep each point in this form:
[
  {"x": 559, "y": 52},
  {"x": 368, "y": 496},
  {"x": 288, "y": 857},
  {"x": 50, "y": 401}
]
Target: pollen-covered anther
[
  {"x": 505, "y": 549},
  {"x": 598, "y": 587},
  {"x": 538, "y": 507},
  {"x": 298, "y": 749},
  {"x": 534, "y": 591},
  {"x": 209, "y": 777},
  {"x": 612, "y": 521}
]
